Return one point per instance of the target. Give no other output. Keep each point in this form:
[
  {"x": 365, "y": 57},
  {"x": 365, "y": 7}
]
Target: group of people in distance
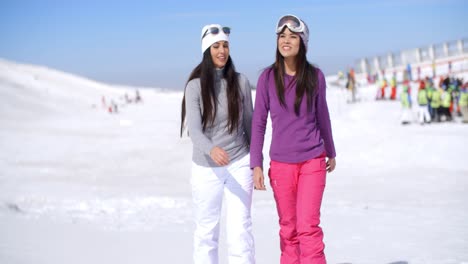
[
  {"x": 112, "y": 106},
  {"x": 436, "y": 102}
]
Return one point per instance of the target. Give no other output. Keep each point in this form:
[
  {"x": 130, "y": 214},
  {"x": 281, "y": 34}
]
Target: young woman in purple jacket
[{"x": 293, "y": 92}]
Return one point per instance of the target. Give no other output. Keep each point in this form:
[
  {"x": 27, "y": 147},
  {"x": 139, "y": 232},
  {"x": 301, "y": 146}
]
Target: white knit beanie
[{"x": 210, "y": 39}]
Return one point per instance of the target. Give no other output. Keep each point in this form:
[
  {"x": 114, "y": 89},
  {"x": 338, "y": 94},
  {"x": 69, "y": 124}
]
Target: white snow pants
[
  {"x": 208, "y": 186},
  {"x": 423, "y": 114},
  {"x": 406, "y": 115}
]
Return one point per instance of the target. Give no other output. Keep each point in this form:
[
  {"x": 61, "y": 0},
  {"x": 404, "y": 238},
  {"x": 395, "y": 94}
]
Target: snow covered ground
[{"x": 81, "y": 185}]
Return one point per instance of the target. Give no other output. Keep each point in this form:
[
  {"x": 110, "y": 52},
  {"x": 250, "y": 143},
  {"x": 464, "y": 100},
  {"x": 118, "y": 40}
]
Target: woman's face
[
  {"x": 220, "y": 53},
  {"x": 288, "y": 43}
]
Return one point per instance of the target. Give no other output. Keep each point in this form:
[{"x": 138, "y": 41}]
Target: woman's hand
[
  {"x": 259, "y": 183},
  {"x": 331, "y": 164},
  {"x": 219, "y": 156}
]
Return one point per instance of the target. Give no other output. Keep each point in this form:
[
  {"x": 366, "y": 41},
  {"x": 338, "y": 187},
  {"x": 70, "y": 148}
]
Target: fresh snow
[{"x": 81, "y": 185}]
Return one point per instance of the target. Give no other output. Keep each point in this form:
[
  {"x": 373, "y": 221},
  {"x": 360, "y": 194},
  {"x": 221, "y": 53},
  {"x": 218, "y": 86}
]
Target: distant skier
[
  {"x": 435, "y": 104},
  {"x": 464, "y": 102},
  {"x": 430, "y": 91},
  {"x": 127, "y": 99},
  {"x": 137, "y": 97},
  {"x": 446, "y": 101},
  {"x": 103, "y": 102},
  {"x": 113, "y": 107},
  {"x": 423, "y": 101},
  {"x": 405, "y": 105},
  {"x": 457, "y": 85},
  {"x": 351, "y": 86},
  {"x": 340, "y": 75},
  {"x": 381, "y": 89},
  {"x": 384, "y": 86},
  {"x": 393, "y": 85}
]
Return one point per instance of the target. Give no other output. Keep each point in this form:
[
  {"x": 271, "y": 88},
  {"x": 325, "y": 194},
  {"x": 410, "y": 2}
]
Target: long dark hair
[
  {"x": 206, "y": 72},
  {"x": 306, "y": 77}
]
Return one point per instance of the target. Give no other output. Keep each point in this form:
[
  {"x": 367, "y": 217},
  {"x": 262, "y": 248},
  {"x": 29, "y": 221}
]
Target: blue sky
[{"x": 157, "y": 43}]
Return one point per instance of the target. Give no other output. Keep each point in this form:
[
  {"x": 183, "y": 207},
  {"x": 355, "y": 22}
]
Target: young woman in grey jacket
[{"x": 217, "y": 109}]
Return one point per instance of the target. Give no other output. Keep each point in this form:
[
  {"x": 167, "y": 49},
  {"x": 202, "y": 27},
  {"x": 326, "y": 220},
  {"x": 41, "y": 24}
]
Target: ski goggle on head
[
  {"x": 214, "y": 30},
  {"x": 292, "y": 22}
]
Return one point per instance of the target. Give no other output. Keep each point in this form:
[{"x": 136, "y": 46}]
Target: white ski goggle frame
[{"x": 292, "y": 22}]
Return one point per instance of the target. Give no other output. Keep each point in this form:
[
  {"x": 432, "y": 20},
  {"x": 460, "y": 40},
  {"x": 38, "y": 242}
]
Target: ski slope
[{"x": 81, "y": 185}]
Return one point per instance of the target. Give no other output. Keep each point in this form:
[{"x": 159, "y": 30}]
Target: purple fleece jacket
[{"x": 295, "y": 138}]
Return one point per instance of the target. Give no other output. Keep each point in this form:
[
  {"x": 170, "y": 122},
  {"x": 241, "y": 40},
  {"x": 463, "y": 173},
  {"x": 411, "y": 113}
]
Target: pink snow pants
[{"x": 298, "y": 191}]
